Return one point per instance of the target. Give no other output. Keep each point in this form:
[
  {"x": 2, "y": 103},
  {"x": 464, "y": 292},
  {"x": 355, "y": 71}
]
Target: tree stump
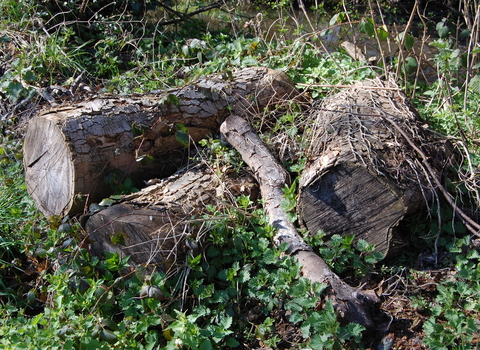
[
  {"x": 69, "y": 150},
  {"x": 363, "y": 176}
]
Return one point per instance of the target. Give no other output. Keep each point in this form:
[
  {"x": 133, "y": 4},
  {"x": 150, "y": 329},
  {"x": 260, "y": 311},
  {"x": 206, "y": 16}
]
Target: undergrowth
[{"x": 239, "y": 291}]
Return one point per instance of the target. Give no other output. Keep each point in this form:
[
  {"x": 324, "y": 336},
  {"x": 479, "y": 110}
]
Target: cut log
[
  {"x": 155, "y": 225},
  {"x": 69, "y": 150},
  {"x": 351, "y": 304},
  {"x": 363, "y": 176}
]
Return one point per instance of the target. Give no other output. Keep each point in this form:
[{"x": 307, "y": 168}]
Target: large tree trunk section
[
  {"x": 68, "y": 150},
  {"x": 352, "y": 305},
  {"x": 363, "y": 176},
  {"x": 156, "y": 225}
]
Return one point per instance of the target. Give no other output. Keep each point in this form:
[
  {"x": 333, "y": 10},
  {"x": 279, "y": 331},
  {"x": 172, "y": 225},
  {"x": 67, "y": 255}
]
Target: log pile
[
  {"x": 69, "y": 150},
  {"x": 362, "y": 176}
]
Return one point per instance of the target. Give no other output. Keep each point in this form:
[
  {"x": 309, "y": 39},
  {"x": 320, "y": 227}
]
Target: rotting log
[
  {"x": 351, "y": 304},
  {"x": 68, "y": 150},
  {"x": 158, "y": 225},
  {"x": 363, "y": 176}
]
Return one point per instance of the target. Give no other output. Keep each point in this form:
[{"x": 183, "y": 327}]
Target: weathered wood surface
[
  {"x": 352, "y": 305},
  {"x": 154, "y": 226},
  {"x": 363, "y": 176},
  {"x": 68, "y": 150}
]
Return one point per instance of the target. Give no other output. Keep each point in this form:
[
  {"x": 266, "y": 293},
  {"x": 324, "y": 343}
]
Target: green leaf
[
  {"x": 183, "y": 138},
  {"x": 288, "y": 204},
  {"x": 5, "y": 39},
  {"x": 118, "y": 238},
  {"x": 29, "y": 76},
  {"x": 244, "y": 275},
  {"x": 206, "y": 345},
  {"x": 337, "y": 18},
  {"x": 137, "y": 131},
  {"x": 474, "y": 84},
  {"x": 193, "y": 262},
  {"x": 296, "y": 168},
  {"x": 411, "y": 65},
  {"x": 367, "y": 26},
  {"x": 296, "y": 317},
  {"x": 409, "y": 40},
  {"x": 232, "y": 342},
  {"x": 442, "y": 29},
  {"x": 14, "y": 89},
  {"x": 145, "y": 159},
  {"x": 374, "y": 257},
  {"x": 382, "y": 32},
  {"x": 181, "y": 127},
  {"x": 173, "y": 99},
  {"x": 106, "y": 202},
  {"x": 226, "y": 322}
]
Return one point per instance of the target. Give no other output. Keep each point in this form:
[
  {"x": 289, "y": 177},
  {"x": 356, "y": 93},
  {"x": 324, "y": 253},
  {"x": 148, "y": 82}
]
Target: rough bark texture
[
  {"x": 363, "y": 176},
  {"x": 68, "y": 150},
  {"x": 270, "y": 174},
  {"x": 159, "y": 224},
  {"x": 351, "y": 304}
]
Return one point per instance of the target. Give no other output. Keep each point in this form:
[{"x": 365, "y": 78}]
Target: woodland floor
[{"x": 400, "y": 322}]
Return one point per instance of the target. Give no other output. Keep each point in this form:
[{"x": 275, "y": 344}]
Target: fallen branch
[{"x": 351, "y": 304}]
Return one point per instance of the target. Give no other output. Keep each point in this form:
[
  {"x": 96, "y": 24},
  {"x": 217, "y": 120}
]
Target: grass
[{"x": 242, "y": 291}]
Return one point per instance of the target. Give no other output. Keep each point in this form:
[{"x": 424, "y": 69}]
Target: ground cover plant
[{"x": 236, "y": 290}]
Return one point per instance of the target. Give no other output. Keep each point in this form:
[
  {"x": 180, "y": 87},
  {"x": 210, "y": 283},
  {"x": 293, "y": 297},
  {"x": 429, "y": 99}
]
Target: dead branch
[{"x": 351, "y": 304}]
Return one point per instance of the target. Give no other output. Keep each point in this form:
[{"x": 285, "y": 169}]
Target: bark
[
  {"x": 363, "y": 176},
  {"x": 351, "y": 304},
  {"x": 157, "y": 226},
  {"x": 69, "y": 150}
]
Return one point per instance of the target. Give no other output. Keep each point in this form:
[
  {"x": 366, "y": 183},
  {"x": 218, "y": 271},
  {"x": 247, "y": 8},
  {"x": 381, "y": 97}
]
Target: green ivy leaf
[{"x": 29, "y": 76}]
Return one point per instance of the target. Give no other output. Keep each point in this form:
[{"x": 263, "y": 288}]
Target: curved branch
[{"x": 351, "y": 304}]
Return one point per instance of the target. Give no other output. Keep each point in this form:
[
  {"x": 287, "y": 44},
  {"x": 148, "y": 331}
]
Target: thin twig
[
  {"x": 469, "y": 222},
  {"x": 340, "y": 86}
]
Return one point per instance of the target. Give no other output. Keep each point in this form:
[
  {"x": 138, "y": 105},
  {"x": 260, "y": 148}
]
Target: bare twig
[{"x": 473, "y": 226}]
